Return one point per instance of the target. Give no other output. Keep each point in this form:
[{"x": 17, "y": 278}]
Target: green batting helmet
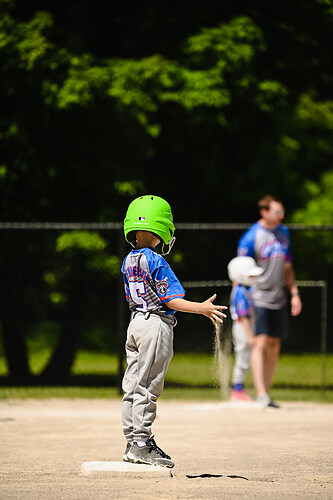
[{"x": 149, "y": 213}]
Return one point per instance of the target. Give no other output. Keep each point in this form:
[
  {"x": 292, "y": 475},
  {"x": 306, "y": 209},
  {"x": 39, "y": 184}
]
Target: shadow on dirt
[{"x": 215, "y": 475}]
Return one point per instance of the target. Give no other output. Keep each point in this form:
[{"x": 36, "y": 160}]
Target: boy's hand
[
  {"x": 212, "y": 311},
  {"x": 206, "y": 308}
]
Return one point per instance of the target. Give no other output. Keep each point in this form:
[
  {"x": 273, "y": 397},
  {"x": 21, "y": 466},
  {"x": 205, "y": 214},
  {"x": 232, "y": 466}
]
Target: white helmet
[{"x": 241, "y": 269}]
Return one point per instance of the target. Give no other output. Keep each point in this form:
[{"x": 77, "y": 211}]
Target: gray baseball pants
[
  {"x": 242, "y": 353},
  {"x": 149, "y": 350}
]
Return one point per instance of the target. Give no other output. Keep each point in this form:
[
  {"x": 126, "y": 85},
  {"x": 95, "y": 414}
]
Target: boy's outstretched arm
[{"x": 207, "y": 308}]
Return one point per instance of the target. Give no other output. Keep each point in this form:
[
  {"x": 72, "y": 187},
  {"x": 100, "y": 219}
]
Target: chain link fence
[
  {"x": 314, "y": 298},
  {"x": 63, "y": 311}
]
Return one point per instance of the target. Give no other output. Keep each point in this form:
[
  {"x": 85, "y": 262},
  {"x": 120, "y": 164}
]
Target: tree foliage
[
  {"x": 210, "y": 106},
  {"x": 247, "y": 92}
]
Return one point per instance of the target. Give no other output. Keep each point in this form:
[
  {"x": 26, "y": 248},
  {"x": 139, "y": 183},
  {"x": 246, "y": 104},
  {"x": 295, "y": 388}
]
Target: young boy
[
  {"x": 242, "y": 272},
  {"x": 154, "y": 294}
]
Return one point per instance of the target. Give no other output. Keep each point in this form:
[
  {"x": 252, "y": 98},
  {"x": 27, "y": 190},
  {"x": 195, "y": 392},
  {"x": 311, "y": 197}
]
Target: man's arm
[{"x": 289, "y": 276}]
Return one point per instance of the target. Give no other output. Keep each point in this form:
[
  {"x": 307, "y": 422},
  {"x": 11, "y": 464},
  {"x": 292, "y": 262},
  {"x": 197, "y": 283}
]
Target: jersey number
[{"x": 137, "y": 289}]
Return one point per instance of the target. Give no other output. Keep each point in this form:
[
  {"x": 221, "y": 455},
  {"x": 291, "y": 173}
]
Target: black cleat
[{"x": 149, "y": 454}]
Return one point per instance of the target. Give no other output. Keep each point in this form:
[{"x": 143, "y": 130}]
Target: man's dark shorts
[{"x": 272, "y": 322}]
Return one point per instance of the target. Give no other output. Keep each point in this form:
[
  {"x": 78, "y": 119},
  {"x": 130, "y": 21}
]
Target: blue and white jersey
[
  {"x": 149, "y": 281},
  {"x": 271, "y": 250},
  {"x": 241, "y": 302}
]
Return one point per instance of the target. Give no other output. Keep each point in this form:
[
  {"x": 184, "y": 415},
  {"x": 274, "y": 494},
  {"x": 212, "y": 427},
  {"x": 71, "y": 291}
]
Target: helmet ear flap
[{"x": 131, "y": 238}]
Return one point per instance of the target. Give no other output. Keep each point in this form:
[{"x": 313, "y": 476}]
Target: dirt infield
[{"x": 220, "y": 451}]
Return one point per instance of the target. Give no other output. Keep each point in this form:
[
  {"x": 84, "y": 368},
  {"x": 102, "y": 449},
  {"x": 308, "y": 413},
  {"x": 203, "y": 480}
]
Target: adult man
[{"x": 267, "y": 241}]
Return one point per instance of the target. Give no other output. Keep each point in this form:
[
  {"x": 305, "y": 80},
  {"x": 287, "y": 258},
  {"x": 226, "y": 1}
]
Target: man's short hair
[{"x": 266, "y": 201}]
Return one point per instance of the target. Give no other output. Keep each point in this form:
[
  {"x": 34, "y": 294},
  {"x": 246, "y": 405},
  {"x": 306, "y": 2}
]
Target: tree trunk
[
  {"x": 59, "y": 367},
  {"x": 14, "y": 324}
]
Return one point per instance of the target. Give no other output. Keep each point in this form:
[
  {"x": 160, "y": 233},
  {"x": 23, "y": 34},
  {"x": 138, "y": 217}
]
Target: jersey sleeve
[
  {"x": 241, "y": 304},
  {"x": 246, "y": 243},
  {"x": 167, "y": 284},
  {"x": 288, "y": 256}
]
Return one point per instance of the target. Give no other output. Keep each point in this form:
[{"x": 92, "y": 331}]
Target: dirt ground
[{"x": 220, "y": 451}]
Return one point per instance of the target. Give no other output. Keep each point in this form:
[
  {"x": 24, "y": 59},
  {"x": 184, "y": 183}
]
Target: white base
[{"x": 124, "y": 468}]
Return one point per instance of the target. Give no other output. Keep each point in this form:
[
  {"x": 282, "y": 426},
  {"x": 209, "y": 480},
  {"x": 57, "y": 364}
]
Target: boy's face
[{"x": 252, "y": 279}]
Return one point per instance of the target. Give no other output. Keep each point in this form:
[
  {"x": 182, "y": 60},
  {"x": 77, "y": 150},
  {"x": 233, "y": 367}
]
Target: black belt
[{"x": 170, "y": 319}]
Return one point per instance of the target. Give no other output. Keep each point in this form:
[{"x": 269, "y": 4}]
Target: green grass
[
  {"x": 298, "y": 378},
  {"x": 86, "y": 362},
  {"x": 68, "y": 392},
  {"x": 190, "y": 377}
]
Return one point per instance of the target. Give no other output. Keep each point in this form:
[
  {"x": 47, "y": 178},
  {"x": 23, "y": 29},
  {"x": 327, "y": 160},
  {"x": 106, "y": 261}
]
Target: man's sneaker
[
  {"x": 240, "y": 396},
  {"x": 127, "y": 449},
  {"x": 273, "y": 404},
  {"x": 266, "y": 401},
  {"x": 149, "y": 454}
]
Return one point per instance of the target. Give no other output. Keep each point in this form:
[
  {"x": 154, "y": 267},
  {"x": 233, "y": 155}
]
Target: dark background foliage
[{"x": 208, "y": 105}]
